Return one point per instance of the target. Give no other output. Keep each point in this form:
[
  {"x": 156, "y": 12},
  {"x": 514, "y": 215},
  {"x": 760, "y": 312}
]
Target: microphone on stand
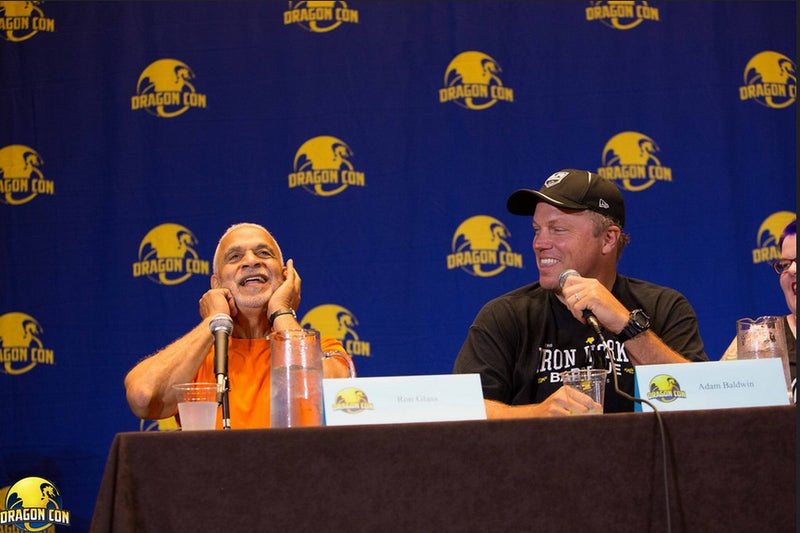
[{"x": 221, "y": 326}]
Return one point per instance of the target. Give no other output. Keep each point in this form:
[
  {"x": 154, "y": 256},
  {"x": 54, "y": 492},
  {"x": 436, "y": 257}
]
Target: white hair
[{"x": 235, "y": 227}]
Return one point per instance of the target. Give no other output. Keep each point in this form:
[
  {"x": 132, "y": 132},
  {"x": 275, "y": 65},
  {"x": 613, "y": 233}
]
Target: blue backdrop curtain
[{"x": 378, "y": 141}]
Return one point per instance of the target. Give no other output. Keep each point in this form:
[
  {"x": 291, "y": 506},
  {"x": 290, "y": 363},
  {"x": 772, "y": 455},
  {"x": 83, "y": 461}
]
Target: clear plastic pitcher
[
  {"x": 296, "y": 378},
  {"x": 763, "y": 338}
]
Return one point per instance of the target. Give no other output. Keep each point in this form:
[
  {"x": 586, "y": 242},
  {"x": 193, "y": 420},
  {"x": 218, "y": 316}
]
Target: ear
[
  {"x": 215, "y": 284},
  {"x": 610, "y": 239}
]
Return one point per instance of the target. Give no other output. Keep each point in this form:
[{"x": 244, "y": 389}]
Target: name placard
[
  {"x": 711, "y": 385},
  {"x": 403, "y": 399}
]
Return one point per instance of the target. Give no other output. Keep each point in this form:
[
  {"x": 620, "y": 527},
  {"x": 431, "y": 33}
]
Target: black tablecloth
[{"x": 728, "y": 470}]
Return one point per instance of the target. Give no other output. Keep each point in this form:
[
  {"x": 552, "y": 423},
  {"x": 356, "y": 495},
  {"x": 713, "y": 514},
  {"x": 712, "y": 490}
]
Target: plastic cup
[
  {"x": 591, "y": 382},
  {"x": 197, "y": 405}
]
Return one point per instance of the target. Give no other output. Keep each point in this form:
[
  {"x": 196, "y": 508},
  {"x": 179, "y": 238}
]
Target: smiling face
[
  {"x": 788, "y": 278},
  {"x": 249, "y": 264},
  {"x": 565, "y": 239}
]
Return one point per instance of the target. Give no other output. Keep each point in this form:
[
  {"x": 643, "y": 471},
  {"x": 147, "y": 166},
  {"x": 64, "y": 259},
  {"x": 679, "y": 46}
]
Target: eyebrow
[
  {"x": 552, "y": 222},
  {"x": 240, "y": 249}
]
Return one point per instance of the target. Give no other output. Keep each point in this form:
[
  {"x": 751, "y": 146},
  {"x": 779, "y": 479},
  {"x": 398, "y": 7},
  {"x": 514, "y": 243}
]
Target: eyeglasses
[{"x": 782, "y": 265}]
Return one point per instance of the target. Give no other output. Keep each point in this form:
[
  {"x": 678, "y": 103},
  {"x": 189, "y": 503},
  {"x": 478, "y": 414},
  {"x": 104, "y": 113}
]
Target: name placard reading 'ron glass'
[{"x": 403, "y": 399}]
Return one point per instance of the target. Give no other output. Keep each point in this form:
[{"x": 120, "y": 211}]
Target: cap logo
[
  {"x": 602, "y": 203},
  {"x": 555, "y": 179}
]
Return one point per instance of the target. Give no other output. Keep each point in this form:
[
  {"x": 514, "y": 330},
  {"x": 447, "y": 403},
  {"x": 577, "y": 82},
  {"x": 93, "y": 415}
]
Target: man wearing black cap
[{"x": 521, "y": 341}]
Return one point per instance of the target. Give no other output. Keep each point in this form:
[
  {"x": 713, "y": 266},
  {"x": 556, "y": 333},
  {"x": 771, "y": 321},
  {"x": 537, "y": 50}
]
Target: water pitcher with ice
[
  {"x": 763, "y": 338},
  {"x": 296, "y": 379}
]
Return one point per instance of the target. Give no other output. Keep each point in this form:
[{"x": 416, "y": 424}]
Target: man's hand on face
[
  {"x": 288, "y": 293},
  {"x": 217, "y": 301}
]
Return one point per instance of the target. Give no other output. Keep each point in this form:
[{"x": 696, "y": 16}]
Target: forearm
[
  {"x": 565, "y": 401},
  {"x": 648, "y": 349},
  {"x": 500, "y": 410},
  {"x": 148, "y": 384}
]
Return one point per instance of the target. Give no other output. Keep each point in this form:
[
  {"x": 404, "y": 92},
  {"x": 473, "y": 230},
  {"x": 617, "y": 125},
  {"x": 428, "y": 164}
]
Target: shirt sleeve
[
  {"x": 329, "y": 344},
  {"x": 489, "y": 349},
  {"x": 678, "y": 327}
]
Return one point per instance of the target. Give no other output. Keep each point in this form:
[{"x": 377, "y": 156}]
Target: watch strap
[
  {"x": 279, "y": 312},
  {"x": 633, "y": 328}
]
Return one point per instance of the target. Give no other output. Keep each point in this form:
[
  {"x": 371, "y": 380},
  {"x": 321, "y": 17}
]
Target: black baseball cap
[{"x": 572, "y": 189}]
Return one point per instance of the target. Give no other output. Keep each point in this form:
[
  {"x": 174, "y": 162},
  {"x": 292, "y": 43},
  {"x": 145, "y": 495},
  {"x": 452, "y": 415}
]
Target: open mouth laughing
[
  {"x": 252, "y": 280},
  {"x": 548, "y": 261}
]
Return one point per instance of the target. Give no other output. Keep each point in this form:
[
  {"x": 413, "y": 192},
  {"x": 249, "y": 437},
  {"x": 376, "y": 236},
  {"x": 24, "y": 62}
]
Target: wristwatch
[
  {"x": 279, "y": 312},
  {"x": 638, "y": 322}
]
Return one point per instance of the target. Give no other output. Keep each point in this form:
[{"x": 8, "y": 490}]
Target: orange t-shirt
[{"x": 249, "y": 375}]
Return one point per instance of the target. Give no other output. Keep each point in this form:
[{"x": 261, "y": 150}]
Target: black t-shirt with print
[{"x": 520, "y": 341}]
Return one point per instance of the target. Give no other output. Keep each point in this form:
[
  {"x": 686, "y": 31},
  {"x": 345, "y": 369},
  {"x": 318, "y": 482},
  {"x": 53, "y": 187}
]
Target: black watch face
[{"x": 641, "y": 319}]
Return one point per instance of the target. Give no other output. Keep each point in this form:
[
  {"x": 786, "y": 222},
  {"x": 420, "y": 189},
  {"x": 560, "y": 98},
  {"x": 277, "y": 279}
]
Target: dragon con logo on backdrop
[
  {"x": 167, "y": 255},
  {"x": 629, "y": 157},
  {"x": 621, "y": 15},
  {"x": 472, "y": 81},
  {"x": 21, "y": 346},
  {"x": 32, "y": 504},
  {"x": 770, "y": 79},
  {"x": 480, "y": 247},
  {"x": 335, "y": 321},
  {"x": 21, "y": 178},
  {"x": 319, "y": 17},
  {"x": 769, "y": 234},
  {"x": 165, "y": 89},
  {"x": 322, "y": 167},
  {"x": 23, "y": 20}
]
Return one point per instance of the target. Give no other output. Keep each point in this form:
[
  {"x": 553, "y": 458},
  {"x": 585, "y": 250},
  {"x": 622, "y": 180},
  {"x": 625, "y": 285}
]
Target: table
[{"x": 728, "y": 470}]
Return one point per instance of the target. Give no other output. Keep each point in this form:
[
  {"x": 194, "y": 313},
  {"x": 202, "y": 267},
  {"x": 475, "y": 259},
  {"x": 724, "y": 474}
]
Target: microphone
[
  {"x": 221, "y": 326},
  {"x": 592, "y": 320},
  {"x": 588, "y": 316}
]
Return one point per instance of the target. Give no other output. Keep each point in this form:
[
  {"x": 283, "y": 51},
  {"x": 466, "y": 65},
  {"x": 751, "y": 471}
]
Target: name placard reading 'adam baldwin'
[{"x": 712, "y": 385}]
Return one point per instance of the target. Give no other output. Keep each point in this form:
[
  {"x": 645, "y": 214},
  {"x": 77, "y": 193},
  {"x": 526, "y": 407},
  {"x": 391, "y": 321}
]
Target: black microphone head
[
  {"x": 562, "y": 279},
  {"x": 221, "y": 322}
]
